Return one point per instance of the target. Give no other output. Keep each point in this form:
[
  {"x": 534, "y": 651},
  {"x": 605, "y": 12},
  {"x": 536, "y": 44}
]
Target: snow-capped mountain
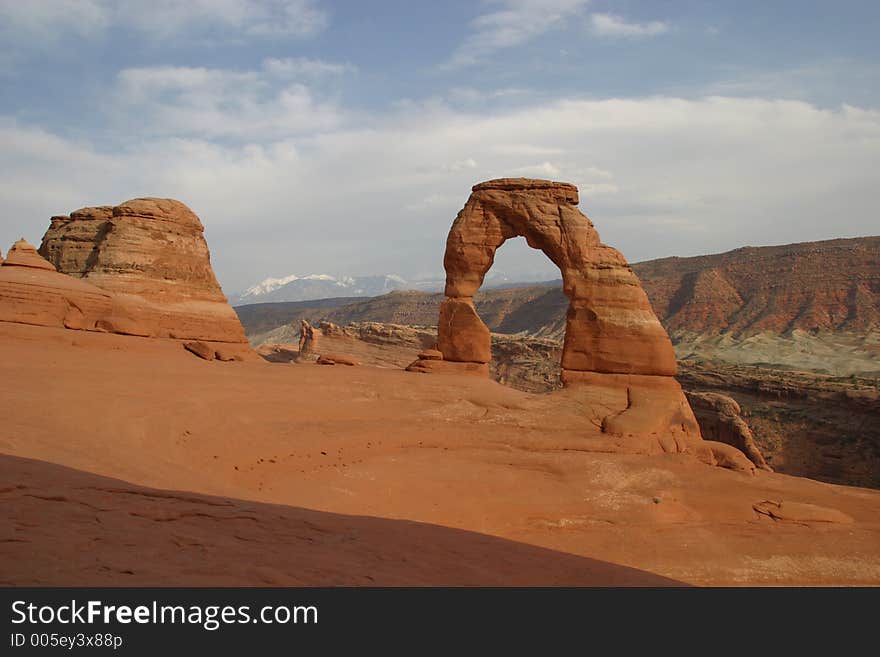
[{"x": 325, "y": 286}]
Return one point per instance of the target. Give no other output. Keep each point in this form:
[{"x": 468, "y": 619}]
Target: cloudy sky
[{"x": 342, "y": 137}]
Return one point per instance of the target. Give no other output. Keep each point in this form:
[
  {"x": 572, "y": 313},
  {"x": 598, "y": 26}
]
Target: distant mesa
[
  {"x": 615, "y": 352},
  {"x": 832, "y": 286}
]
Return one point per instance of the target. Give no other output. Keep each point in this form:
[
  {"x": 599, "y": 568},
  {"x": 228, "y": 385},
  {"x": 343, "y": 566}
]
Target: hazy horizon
[{"x": 314, "y": 136}]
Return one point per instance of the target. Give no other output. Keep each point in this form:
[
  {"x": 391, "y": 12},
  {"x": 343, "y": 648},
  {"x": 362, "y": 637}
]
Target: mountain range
[
  {"x": 812, "y": 305},
  {"x": 294, "y": 288},
  {"x": 322, "y": 286}
]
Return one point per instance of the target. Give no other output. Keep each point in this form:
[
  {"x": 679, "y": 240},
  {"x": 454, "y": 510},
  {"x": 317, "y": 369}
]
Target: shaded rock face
[
  {"x": 721, "y": 420},
  {"x": 610, "y": 326},
  {"x": 152, "y": 255}
]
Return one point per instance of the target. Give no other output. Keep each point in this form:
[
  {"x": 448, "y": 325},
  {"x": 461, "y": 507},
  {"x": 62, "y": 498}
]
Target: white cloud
[
  {"x": 196, "y": 101},
  {"x": 304, "y": 67},
  {"x": 514, "y": 23},
  {"x": 47, "y": 20},
  {"x": 591, "y": 190},
  {"x": 458, "y": 165},
  {"x": 545, "y": 169},
  {"x": 614, "y": 26},
  {"x": 658, "y": 176},
  {"x": 43, "y": 19}
]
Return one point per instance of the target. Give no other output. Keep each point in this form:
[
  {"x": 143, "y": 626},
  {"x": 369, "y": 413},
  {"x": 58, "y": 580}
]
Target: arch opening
[{"x": 522, "y": 294}]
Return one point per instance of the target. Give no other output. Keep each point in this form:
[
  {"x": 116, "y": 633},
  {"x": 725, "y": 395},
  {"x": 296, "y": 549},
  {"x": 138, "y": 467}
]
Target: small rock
[
  {"x": 800, "y": 512},
  {"x": 225, "y": 355},
  {"x": 728, "y": 456},
  {"x": 337, "y": 359},
  {"x": 200, "y": 349}
]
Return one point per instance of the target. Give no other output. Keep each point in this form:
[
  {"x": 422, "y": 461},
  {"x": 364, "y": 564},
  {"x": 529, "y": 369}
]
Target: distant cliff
[{"x": 773, "y": 304}]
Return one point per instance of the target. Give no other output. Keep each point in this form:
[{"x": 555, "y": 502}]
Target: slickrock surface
[
  {"x": 458, "y": 451},
  {"x": 32, "y": 292},
  {"x": 822, "y": 427},
  {"x": 151, "y": 254},
  {"x": 64, "y": 527}
]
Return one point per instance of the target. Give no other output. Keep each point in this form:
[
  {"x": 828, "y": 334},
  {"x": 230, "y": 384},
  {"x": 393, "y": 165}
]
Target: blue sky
[{"x": 343, "y": 137}]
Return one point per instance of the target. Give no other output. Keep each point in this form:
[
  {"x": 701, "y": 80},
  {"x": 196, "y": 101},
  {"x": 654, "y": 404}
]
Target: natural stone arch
[{"x": 610, "y": 326}]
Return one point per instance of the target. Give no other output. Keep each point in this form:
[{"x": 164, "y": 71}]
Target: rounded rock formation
[
  {"x": 152, "y": 255},
  {"x": 23, "y": 254},
  {"x": 32, "y": 292}
]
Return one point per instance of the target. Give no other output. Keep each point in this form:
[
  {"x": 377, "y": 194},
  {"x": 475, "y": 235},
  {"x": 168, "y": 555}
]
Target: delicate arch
[{"x": 610, "y": 326}]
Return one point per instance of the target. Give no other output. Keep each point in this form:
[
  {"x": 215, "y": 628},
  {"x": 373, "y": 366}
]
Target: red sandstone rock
[
  {"x": 800, "y": 512},
  {"x": 23, "y": 254},
  {"x": 200, "y": 349},
  {"x": 449, "y": 367},
  {"x": 615, "y": 353},
  {"x": 728, "y": 456},
  {"x": 337, "y": 359},
  {"x": 277, "y": 353},
  {"x": 119, "y": 321},
  {"x": 308, "y": 340},
  {"x": 226, "y": 355},
  {"x": 32, "y": 292},
  {"x": 462, "y": 336},
  {"x": 431, "y": 354},
  {"x": 720, "y": 419},
  {"x": 611, "y": 326},
  {"x": 151, "y": 254},
  {"x": 635, "y": 407}
]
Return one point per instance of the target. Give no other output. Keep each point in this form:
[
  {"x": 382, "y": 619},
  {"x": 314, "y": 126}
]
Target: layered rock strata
[
  {"x": 32, "y": 292},
  {"x": 150, "y": 253}
]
